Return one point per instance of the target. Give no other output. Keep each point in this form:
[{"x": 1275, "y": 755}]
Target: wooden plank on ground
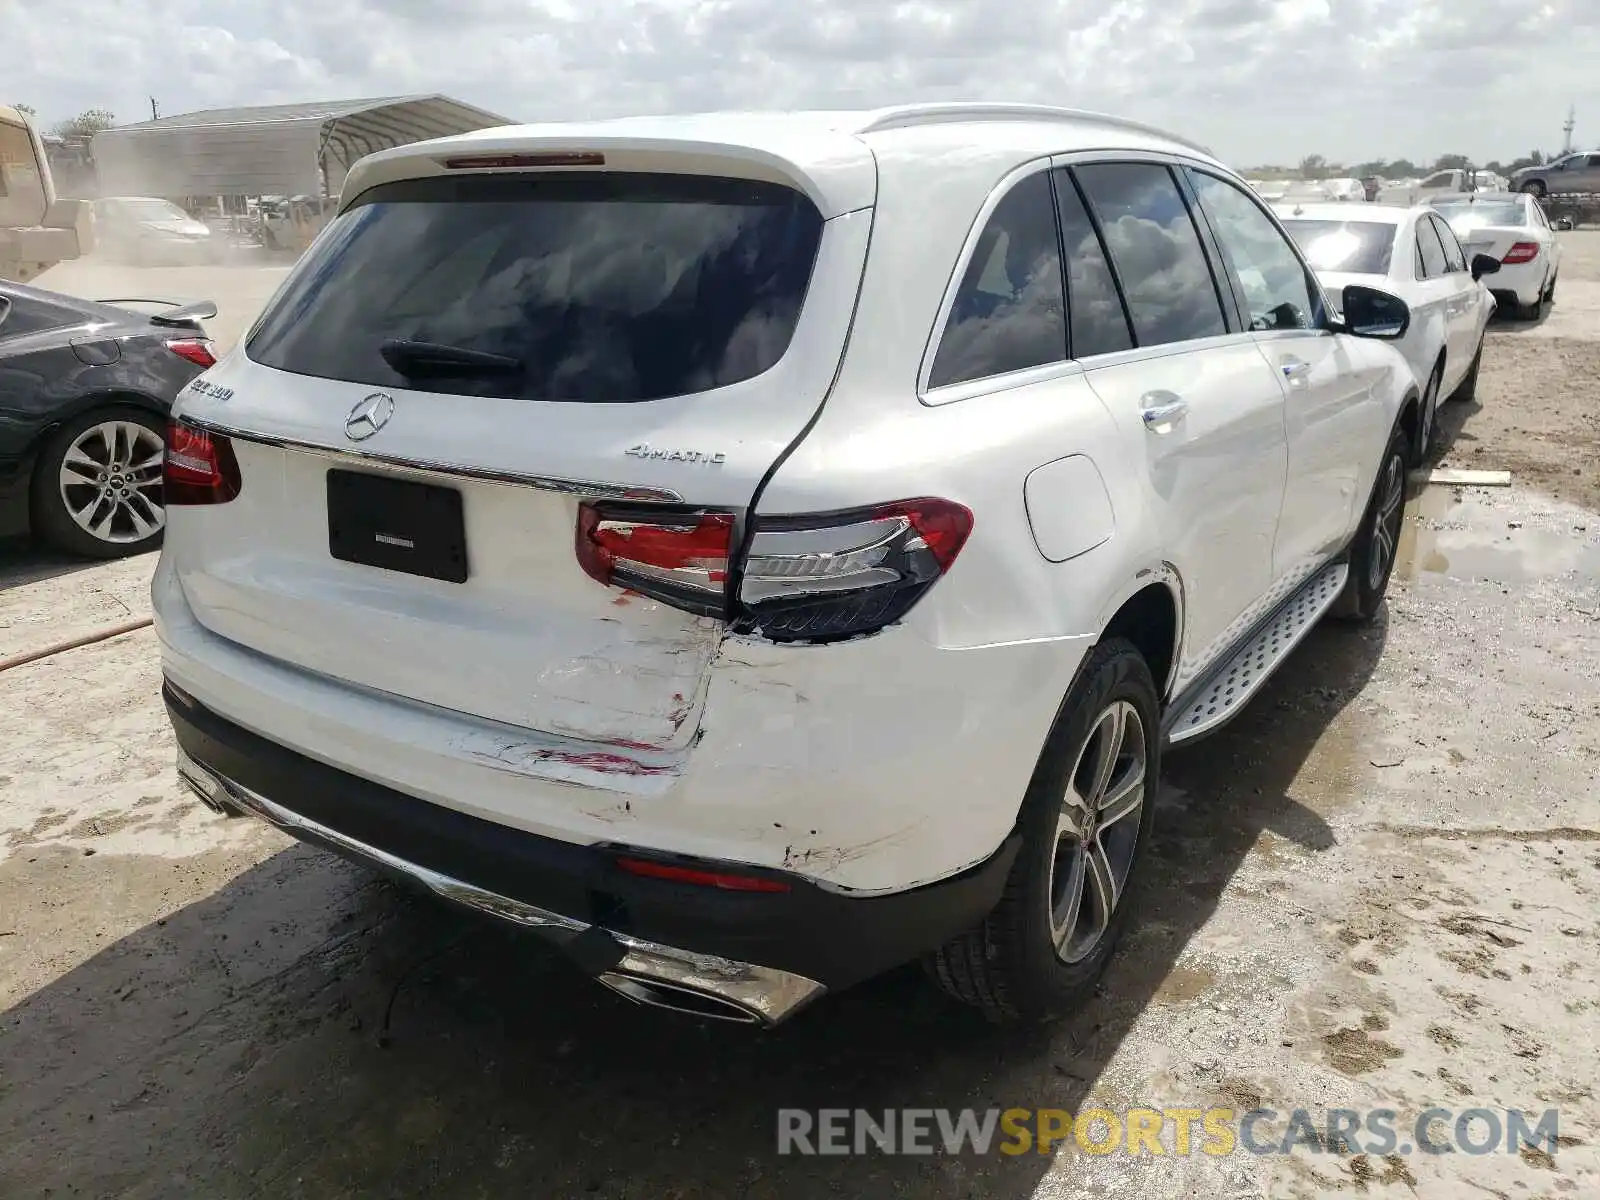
[{"x": 1461, "y": 477}]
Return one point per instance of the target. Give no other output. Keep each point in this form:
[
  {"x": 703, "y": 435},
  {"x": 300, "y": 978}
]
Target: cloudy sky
[{"x": 1258, "y": 80}]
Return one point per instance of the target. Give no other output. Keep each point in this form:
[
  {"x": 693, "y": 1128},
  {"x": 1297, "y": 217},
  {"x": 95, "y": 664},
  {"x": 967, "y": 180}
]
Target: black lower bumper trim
[{"x": 826, "y": 936}]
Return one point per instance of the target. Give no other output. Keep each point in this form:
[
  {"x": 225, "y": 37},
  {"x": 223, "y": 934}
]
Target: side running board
[{"x": 1241, "y": 676}]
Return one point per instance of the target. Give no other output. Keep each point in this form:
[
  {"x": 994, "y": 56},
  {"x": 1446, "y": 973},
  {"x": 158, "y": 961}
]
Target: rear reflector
[
  {"x": 490, "y": 162},
  {"x": 681, "y": 559},
  {"x": 199, "y": 467},
  {"x": 199, "y": 351},
  {"x": 1520, "y": 253},
  {"x": 701, "y": 878}
]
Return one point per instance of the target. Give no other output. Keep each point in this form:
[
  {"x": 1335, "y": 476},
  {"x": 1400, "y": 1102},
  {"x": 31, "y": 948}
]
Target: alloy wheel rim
[
  {"x": 1097, "y": 831},
  {"x": 110, "y": 482},
  {"x": 1386, "y": 523}
]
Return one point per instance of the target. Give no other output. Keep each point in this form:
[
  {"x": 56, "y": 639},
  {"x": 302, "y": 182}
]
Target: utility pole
[
  {"x": 154, "y": 114},
  {"x": 1572, "y": 123}
]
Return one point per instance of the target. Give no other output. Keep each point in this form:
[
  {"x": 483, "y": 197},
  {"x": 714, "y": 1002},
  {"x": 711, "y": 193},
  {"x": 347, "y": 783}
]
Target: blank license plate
[{"x": 398, "y": 525}]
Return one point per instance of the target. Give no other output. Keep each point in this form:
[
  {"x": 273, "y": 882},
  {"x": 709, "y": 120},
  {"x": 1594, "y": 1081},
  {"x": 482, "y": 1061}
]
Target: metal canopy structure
[{"x": 276, "y": 150}]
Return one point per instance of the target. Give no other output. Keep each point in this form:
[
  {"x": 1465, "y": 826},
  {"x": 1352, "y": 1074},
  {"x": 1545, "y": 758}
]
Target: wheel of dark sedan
[
  {"x": 1377, "y": 542},
  {"x": 1534, "y": 187},
  {"x": 97, "y": 484},
  {"x": 1085, "y": 824}
]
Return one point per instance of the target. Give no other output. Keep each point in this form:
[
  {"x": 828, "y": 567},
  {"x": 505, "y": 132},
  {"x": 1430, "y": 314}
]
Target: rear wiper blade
[{"x": 410, "y": 357}]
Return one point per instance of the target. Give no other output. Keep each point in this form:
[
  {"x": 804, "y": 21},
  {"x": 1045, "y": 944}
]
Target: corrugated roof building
[{"x": 274, "y": 150}]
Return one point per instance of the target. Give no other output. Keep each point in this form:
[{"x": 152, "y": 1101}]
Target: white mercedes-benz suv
[{"x": 756, "y": 551}]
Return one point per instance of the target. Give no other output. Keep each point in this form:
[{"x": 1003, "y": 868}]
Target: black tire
[
  {"x": 51, "y": 518},
  {"x": 1467, "y": 389},
  {"x": 1429, "y": 437},
  {"x": 1550, "y": 292},
  {"x": 1535, "y": 187},
  {"x": 1008, "y": 965},
  {"x": 1372, "y": 558}
]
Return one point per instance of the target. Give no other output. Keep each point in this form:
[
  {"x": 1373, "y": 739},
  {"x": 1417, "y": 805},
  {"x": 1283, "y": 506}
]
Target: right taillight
[
  {"x": 199, "y": 467},
  {"x": 1520, "y": 253},
  {"x": 828, "y": 576}
]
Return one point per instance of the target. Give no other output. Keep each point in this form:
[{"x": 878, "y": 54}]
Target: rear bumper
[
  {"x": 761, "y": 954},
  {"x": 1522, "y": 282}
]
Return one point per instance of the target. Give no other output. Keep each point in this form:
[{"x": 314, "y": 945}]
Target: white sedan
[
  {"x": 1412, "y": 253},
  {"x": 1510, "y": 227}
]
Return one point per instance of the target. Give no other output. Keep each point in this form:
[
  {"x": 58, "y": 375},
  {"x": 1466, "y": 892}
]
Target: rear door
[
  {"x": 1192, "y": 387},
  {"x": 1463, "y": 308},
  {"x": 476, "y": 396}
]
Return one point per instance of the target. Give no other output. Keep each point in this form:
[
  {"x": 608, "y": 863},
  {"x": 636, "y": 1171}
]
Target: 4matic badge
[{"x": 646, "y": 450}]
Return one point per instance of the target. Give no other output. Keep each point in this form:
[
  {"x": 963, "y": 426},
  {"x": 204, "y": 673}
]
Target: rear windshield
[
  {"x": 600, "y": 288},
  {"x": 1483, "y": 212},
  {"x": 1356, "y": 247}
]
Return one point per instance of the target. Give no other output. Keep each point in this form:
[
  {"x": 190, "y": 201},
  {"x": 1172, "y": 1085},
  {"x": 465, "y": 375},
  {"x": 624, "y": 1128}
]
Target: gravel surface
[{"x": 1377, "y": 888}]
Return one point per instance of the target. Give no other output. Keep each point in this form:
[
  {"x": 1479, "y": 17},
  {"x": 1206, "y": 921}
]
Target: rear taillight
[
  {"x": 678, "y": 558},
  {"x": 1520, "y": 253},
  {"x": 816, "y": 578},
  {"x": 840, "y": 575},
  {"x": 200, "y": 351},
  {"x": 199, "y": 467}
]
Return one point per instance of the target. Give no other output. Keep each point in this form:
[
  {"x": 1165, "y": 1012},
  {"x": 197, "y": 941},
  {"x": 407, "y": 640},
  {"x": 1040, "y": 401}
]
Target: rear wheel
[
  {"x": 1550, "y": 292},
  {"x": 1085, "y": 823},
  {"x": 1534, "y": 187},
  {"x": 97, "y": 484},
  {"x": 1467, "y": 389},
  {"x": 1377, "y": 543},
  {"x": 1429, "y": 433}
]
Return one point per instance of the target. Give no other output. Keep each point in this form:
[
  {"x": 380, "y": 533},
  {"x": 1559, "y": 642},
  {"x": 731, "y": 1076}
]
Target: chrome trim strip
[
  {"x": 583, "y": 488},
  {"x": 767, "y": 994}
]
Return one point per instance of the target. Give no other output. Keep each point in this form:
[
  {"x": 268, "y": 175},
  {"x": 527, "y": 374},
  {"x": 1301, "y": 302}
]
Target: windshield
[
  {"x": 563, "y": 287},
  {"x": 1353, "y": 247},
  {"x": 1484, "y": 212}
]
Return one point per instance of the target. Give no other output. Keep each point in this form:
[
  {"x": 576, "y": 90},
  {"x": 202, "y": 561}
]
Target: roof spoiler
[{"x": 180, "y": 314}]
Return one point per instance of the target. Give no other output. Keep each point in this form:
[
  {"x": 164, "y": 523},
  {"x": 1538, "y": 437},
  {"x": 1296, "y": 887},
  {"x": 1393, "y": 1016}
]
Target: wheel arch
[{"x": 1149, "y": 613}]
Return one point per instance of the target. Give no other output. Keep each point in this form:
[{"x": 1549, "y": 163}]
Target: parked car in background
[
  {"x": 758, "y": 550},
  {"x": 1320, "y": 190},
  {"x": 85, "y": 389},
  {"x": 1578, "y": 172},
  {"x": 1412, "y": 254},
  {"x": 1511, "y": 227},
  {"x": 1409, "y": 192},
  {"x": 149, "y": 232}
]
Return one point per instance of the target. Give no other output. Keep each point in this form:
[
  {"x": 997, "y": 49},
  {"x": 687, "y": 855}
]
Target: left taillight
[
  {"x": 200, "y": 351},
  {"x": 678, "y": 558},
  {"x": 199, "y": 467}
]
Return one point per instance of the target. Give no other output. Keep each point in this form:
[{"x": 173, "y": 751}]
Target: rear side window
[
  {"x": 1156, "y": 250},
  {"x": 20, "y": 315},
  {"x": 599, "y": 288},
  {"x": 1454, "y": 260},
  {"x": 1098, "y": 321},
  {"x": 1430, "y": 251},
  {"x": 1008, "y": 313}
]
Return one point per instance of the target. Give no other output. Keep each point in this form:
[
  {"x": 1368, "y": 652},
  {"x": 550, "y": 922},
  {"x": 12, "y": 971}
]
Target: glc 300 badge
[{"x": 646, "y": 450}]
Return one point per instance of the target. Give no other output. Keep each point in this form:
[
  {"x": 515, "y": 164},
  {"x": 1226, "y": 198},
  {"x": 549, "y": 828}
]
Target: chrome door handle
[
  {"x": 1293, "y": 367},
  {"x": 1162, "y": 410}
]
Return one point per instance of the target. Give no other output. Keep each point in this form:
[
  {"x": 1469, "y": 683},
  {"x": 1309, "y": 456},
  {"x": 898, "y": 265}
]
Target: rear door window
[
  {"x": 1156, "y": 251},
  {"x": 598, "y": 288},
  {"x": 1008, "y": 313},
  {"x": 1429, "y": 252},
  {"x": 1099, "y": 323}
]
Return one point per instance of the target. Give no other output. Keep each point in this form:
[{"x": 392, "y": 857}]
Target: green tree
[
  {"x": 1312, "y": 166},
  {"x": 1452, "y": 162},
  {"x": 87, "y": 123},
  {"x": 26, "y": 110}
]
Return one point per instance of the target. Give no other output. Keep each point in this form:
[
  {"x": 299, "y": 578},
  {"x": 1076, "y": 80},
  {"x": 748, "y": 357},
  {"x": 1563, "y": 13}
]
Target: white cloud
[{"x": 1259, "y": 80}]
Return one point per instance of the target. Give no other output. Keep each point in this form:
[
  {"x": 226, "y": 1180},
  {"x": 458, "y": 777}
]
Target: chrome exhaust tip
[
  {"x": 688, "y": 1001},
  {"x": 206, "y": 785}
]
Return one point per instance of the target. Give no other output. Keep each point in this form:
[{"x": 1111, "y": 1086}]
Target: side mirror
[
  {"x": 1484, "y": 264},
  {"x": 1370, "y": 313}
]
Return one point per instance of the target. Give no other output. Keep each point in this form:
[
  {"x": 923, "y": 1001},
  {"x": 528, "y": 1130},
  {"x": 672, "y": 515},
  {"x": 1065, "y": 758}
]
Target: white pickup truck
[
  {"x": 36, "y": 229},
  {"x": 1408, "y": 192}
]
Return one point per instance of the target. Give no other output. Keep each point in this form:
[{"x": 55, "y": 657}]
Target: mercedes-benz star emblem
[{"x": 369, "y": 416}]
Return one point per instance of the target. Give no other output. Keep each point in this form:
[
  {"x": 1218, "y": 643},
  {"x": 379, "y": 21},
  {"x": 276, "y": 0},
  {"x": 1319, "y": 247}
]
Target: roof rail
[{"x": 904, "y": 116}]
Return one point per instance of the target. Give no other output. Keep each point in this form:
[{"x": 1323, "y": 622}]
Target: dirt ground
[{"x": 1376, "y": 889}]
